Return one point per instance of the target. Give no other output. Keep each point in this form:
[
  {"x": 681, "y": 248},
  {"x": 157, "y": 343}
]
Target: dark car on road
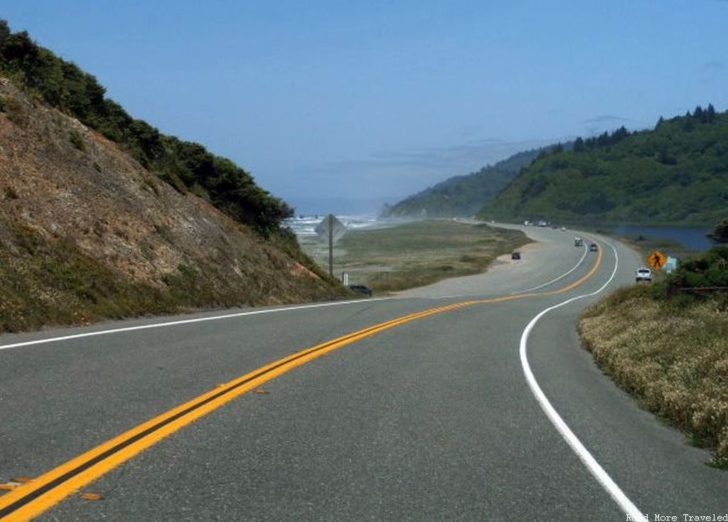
[
  {"x": 361, "y": 289},
  {"x": 593, "y": 247},
  {"x": 516, "y": 255}
]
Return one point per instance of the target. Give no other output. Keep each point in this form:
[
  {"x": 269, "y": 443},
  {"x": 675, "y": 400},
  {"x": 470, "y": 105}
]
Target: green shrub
[
  {"x": 720, "y": 233},
  {"x": 76, "y": 140},
  {"x": 14, "y": 111},
  {"x": 703, "y": 270}
]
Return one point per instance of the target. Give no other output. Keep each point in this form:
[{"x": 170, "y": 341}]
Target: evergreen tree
[
  {"x": 619, "y": 134},
  {"x": 698, "y": 114},
  {"x": 710, "y": 113},
  {"x": 4, "y": 31},
  {"x": 603, "y": 139}
]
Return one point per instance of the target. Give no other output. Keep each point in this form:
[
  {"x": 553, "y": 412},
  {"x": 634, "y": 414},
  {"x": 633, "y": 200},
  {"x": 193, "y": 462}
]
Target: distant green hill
[
  {"x": 676, "y": 174},
  {"x": 462, "y": 195}
]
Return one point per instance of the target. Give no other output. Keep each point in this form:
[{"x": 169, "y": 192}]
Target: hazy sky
[{"x": 334, "y": 100}]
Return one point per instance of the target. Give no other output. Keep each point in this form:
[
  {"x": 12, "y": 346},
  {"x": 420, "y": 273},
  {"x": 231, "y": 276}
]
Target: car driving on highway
[{"x": 643, "y": 274}]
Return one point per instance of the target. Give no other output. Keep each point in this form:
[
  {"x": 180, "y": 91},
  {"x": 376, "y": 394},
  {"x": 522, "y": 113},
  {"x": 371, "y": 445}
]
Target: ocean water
[
  {"x": 692, "y": 238},
  {"x": 303, "y": 226}
]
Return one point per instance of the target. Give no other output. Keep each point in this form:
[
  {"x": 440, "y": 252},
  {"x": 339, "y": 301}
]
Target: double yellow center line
[{"x": 33, "y": 498}]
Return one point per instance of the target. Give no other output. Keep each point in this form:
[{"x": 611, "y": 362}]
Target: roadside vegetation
[
  {"x": 50, "y": 282},
  {"x": 720, "y": 232},
  {"x": 675, "y": 174},
  {"x": 420, "y": 253},
  {"x": 667, "y": 344}
]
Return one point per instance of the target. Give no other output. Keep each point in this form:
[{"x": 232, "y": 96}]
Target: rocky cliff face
[{"x": 87, "y": 233}]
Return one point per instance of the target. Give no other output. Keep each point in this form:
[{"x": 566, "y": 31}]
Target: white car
[{"x": 643, "y": 274}]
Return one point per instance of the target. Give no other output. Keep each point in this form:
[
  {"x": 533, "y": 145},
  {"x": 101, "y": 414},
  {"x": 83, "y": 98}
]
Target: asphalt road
[{"x": 431, "y": 419}]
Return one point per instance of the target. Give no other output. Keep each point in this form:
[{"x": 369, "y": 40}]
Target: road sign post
[
  {"x": 331, "y": 230},
  {"x": 331, "y": 250}
]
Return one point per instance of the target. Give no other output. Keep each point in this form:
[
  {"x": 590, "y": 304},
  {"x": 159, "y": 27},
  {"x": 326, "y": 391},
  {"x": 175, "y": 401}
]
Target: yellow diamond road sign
[{"x": 657, "y": 259}]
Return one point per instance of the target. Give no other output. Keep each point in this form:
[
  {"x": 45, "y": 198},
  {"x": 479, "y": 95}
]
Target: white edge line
[
  {"x": 229, "y": 316},
  {"x": 187, "y": 321},
  {"x": 226, "y": 316},
  {"x": 542, "y": 285},
  {"x": 571, "y": 439}
]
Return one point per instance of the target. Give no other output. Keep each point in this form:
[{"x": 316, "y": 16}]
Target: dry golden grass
[{"x": 670, "y": 354}]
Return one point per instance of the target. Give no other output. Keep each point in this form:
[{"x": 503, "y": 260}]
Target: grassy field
[
  {"x": 417, "y": 254},
  {"x": 671, "y": 354}
]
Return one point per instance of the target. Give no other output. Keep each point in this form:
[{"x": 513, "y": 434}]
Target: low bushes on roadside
[{"x": 671, "y": 354}]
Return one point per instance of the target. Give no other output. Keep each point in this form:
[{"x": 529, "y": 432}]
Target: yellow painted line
[
  {"x": 579, "y": 281},
  {"x": 33, "y": 498}
]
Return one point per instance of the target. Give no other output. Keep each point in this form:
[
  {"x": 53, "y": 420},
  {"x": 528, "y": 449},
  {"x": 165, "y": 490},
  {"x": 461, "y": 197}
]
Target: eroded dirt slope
[{"x": 87, "y": 233}]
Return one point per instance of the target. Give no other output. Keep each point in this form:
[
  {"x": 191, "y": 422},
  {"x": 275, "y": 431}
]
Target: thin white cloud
[{"x": 604, "y": 122}]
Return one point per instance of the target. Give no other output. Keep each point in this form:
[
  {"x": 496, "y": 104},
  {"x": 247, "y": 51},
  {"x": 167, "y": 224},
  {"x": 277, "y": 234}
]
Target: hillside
[
  {"x": 675, "y": 174},
  {"x": 462, "y": 195},
  {"x": 187, "y": 166},
  {"x": 88, "y": 232}
]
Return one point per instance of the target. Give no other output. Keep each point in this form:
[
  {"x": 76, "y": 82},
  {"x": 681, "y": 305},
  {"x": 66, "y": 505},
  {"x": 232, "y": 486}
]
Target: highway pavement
[{"x": 430, "y": 415}]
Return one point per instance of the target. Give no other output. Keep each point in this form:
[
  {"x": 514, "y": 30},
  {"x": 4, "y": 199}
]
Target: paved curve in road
[{"x": 428, "y": 419}]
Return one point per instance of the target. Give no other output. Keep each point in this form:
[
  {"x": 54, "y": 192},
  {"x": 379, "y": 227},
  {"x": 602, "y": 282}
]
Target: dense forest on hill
[
  {"x": 462, "y": 195},
  {"x": 675, "y": 174},
  {"x": 186, "y": 166}
]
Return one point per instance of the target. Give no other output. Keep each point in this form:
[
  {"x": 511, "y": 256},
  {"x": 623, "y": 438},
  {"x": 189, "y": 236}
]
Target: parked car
[
  {"x": 643, "y": 274},
  {"x": 361, "y": 289},
  {"x": 593, "y": 247},
  {"x": 516, "y": 255}
]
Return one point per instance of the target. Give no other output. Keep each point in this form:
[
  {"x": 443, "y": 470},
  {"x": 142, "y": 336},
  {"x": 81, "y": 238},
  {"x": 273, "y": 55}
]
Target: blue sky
[{"x": 338, "y": 105}]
